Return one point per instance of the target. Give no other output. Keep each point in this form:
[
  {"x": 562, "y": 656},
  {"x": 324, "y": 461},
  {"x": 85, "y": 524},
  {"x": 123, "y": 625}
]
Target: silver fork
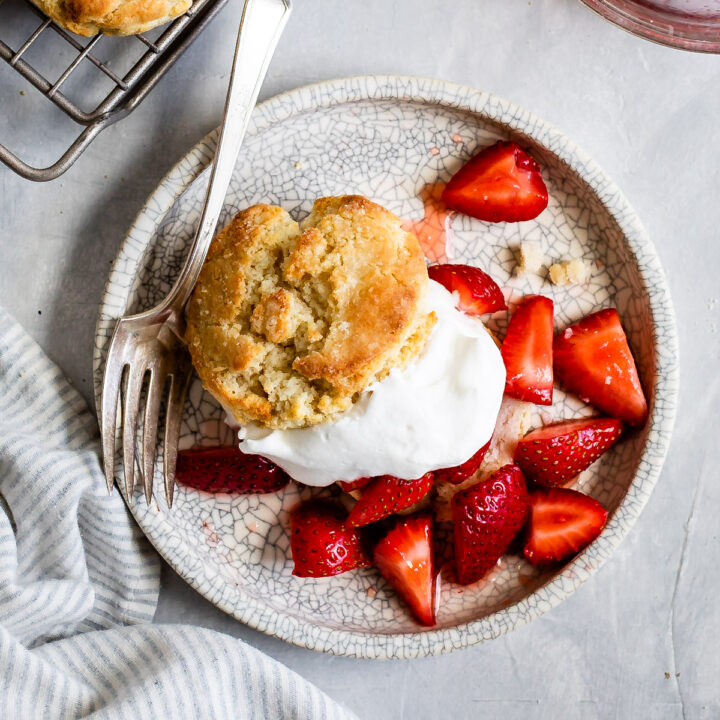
[{"x": 147, "y": 350}]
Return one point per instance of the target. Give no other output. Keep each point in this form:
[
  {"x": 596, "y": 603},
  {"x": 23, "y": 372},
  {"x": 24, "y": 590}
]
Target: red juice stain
[{"x": 433, "y": 231}]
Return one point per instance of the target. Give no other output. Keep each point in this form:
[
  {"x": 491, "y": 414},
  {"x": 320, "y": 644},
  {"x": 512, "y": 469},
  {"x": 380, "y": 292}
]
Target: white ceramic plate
[{"x": 385, "y": 137}]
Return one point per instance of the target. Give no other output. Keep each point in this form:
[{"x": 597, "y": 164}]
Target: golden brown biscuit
[
  {"x": 287, "y": 323},
  {"x": 112, "y": 17}
]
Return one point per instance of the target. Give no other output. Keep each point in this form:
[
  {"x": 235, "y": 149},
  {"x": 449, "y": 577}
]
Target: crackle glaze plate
[{"x": 388, "y": 138}]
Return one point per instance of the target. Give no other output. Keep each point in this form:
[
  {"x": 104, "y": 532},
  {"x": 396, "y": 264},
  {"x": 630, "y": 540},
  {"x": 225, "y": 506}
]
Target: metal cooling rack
[{"x": 150, "y": 55}]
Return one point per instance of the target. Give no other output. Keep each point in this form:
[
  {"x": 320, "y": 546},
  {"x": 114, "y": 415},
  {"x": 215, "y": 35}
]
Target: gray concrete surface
[{"x": 642, "y": 638}]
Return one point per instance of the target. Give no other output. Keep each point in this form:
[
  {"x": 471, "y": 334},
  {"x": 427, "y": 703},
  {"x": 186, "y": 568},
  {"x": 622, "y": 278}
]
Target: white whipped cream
[{"x": 434, "y": 413}]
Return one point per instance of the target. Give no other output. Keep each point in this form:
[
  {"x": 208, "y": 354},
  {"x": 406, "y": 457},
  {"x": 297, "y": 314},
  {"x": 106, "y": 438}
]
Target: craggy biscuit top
[{"x": 288, "y": 323}]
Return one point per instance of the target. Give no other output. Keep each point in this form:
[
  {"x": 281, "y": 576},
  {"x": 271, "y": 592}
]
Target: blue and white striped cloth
[{"x": 75, "y": 569}]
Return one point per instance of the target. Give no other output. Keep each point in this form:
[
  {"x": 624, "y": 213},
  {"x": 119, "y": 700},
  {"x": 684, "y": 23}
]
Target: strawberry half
[
  {"x": 405, "y": 559},
  {"x": 229, "y": 470},
  {"x": 386, "y": 495},
  {"x": 527, "y": 351},
  {"x": 562, "y": 522},
  {"x": 556, "y": 453},
  {"x": 502, "y": 183},
  {"x": 322, "y": 543},
  {"x": 460, "y": 473},
  {"x": 593, "y": 359},
  {"x": 478, "y": 293},
  {"x": 487, "y": 517},
  {"x": 354, "y": 484}
]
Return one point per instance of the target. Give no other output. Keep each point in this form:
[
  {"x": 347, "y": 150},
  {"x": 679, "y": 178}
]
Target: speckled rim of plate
[{"x": 335, "y": 92}]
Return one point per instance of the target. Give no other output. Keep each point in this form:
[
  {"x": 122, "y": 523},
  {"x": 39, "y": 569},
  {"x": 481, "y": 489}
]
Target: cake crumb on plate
[
  {"x": 568, "y": 272},
  {"x": 529, "y": 258}
]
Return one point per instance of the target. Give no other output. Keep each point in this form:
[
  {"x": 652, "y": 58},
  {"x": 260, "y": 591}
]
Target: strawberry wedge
[
  {"x": 387, "y": 495},
  {"x": 478, "y": 293},
  {"x": 486, "y": 518},
  {"x": 404, "y": 558},
  {"x": 322, "y": 543},
  {"x": 229, "y": 470},
  {"x": 562, "y": 522},
  {"x": 502, "y": 183},
  {"x": 527, "y": 351},
  {"x": 592, "y": 358},
  {"x": 555, "y": 454}
]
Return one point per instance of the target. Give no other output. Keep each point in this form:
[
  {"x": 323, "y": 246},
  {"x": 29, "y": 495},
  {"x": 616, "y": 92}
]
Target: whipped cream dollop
[{"x": 434, "y": 413}]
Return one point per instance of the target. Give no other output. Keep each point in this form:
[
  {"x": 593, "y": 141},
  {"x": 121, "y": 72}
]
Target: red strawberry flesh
[
  {"x": 349, "y": 486},
  {"x": 527, "y": 351},
  {"x": 405, "y": 558},
  {"x": 562, "y": 522},
  {"x": 487, "y": 516},
  {"x": 502, "y": 183},
  {"x": 593, "y": 359},
  {"x": 387, "y": 495},
  {"x": 228, "y": 470},
  {"x": 322, "y": 543},
  {"x": 460, "y": 473},
  {"x": 478, "y": 293},
  {"x": 557, "y": 453}
]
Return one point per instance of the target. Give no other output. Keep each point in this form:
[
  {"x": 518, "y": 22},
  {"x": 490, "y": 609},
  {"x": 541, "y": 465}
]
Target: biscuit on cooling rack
[
  {"x": 112, "y": 17},
  {"x": 288, "y": 323}
]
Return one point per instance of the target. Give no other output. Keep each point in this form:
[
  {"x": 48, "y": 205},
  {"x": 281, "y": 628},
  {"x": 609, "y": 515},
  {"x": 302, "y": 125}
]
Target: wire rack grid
[{"x": 150, "y": 58}]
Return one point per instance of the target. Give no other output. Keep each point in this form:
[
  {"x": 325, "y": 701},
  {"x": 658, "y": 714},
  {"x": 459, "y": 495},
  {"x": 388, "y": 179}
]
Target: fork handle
[{"x": 261, "y": 25}]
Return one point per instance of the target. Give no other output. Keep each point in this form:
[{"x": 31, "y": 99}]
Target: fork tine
[
  {"x": 108, "y": 419},
  {"x": 156, "y": 386},
  {"x": 176, "y": 401},
  {"x": 130, "y": 415}
]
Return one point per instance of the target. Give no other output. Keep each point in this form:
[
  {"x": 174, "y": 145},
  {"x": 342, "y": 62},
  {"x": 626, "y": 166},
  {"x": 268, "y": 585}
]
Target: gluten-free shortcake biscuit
[{"x": 288, "y": 323}]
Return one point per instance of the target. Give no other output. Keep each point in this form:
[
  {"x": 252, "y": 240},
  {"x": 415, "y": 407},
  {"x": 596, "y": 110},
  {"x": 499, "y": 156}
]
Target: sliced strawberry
[
  {"x": 487, "y": 517},
  {"x": 478, "y": 293},
  {"x": 528, "y": 351},
  {"x": 556, "y": 453},
  {"x": 562, "y": 522},
  {"x": 322, "y": 543},
  {"x": 593, "y": 359},
  {"x": 354, "y": 484},
  {"x": 460, "y": 473},
  {"x": 502, "y": 183},
  {"x": 228, "y": 470},
  {"x": 405, "y": 559},
  {"x": 386, "y": 495}
]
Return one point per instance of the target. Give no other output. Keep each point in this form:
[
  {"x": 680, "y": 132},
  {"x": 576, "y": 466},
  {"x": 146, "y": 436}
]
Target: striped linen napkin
[{"x": 75, "y": 569}]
